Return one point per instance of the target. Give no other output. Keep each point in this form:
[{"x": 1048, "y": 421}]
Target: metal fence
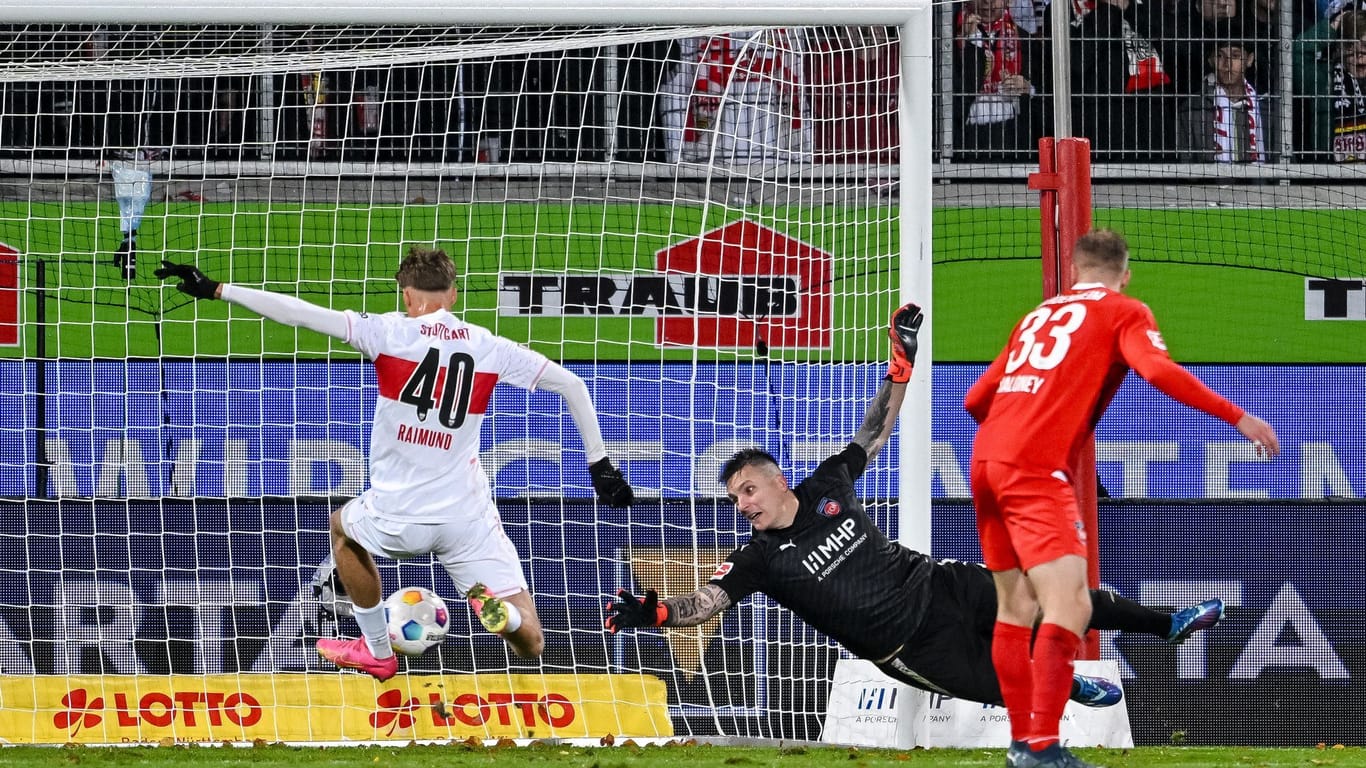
[{"x": 1256, "y": 84}]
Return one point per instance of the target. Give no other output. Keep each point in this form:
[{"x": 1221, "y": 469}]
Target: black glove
[
  {"x": 611, "y": 485},
  {"x": 192, "y": 281},
  {"x": 631, "y": 611},
  {"x": 904, "y": 328}
]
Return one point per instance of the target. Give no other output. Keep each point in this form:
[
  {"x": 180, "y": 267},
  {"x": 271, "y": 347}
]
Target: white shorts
[{"x": 478, "y": 552}]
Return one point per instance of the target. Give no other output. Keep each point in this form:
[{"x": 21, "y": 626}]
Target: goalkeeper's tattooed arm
[
  {"x": 693, "y": 609},
  {"x": 690, "y": 610},
  {"x": 880, "y": 418}
]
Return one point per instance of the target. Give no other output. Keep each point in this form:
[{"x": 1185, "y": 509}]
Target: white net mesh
[
  {"x": 40, "y": 53},
  {"x": 699, "y": 221}
]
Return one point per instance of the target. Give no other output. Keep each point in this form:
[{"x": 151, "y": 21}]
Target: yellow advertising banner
[{"x": 105, "y": 709}]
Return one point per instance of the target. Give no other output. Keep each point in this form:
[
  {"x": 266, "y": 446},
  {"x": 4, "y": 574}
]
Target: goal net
[{"x": 704, "y": 222}]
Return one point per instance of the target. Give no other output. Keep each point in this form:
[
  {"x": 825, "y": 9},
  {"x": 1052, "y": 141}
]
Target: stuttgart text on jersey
[{"x": 444, "y": 333}]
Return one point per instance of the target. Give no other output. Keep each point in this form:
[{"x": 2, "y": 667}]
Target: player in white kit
[{"x": 428, "y": 492}]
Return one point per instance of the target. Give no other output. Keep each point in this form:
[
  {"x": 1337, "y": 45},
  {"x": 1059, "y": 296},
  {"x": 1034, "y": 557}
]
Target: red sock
[
  {"x": 1055, "y": 649},
  {"x": 1010, "y": 656}
]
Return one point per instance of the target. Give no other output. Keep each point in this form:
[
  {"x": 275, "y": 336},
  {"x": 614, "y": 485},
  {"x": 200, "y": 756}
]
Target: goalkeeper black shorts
[{"x": 951, "y": 651}]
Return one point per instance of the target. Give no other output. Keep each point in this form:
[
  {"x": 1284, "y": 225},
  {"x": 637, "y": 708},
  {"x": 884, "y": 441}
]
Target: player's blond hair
[
  {"x": 1103, "y": 249},
  {"x": 426, "y": 269}
]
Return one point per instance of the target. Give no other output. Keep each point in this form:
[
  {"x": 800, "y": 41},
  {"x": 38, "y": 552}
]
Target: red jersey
[{"x": 1042, "y": 396}]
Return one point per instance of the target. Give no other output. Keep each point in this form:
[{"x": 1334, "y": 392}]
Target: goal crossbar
[
  {"x": 757, "y": 12},
  {"x": 316, "y": 48}
]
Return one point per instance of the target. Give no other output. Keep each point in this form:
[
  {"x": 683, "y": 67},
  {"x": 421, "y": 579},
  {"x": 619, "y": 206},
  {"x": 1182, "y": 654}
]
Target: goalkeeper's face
[{"x": 760, "y": 493}]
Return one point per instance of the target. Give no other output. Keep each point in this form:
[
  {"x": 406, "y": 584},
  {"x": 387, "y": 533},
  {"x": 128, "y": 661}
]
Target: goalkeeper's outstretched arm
[
  {"x": 880, "y": 418},
  {"x": 689, "y": 610},
  {"x": 694, "y": 608}
]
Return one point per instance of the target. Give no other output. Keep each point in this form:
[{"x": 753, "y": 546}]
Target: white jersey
[{"x": 436, "y": 375}]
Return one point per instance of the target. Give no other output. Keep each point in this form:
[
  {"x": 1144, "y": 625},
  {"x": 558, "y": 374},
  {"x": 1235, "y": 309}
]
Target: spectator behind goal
[
  {"x": 997, "y": 114},
  {"x": 1229, "y": 121},
  {"x": 1120, "y": 86},
  {"x": 1341, "y": 112},
  {"x": 1313, "y": 55}
]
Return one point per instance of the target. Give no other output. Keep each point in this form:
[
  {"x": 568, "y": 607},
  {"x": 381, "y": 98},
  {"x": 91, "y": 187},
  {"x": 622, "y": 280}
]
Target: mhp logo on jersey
[
  {"x": 829, "y": 507},
  {"x": 739, "y": 285}
]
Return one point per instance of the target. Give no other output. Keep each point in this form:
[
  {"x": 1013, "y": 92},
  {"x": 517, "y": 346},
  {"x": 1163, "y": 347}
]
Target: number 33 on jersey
[{"x": 1060, "y": 369}]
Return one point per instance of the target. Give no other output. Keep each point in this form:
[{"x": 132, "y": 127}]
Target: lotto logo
[
  {"x": 157, "y": 709},
  {"x": 80, "y": 711},
  {"x": 393, "y": 712},
  {"x": 503, "y": 708}
]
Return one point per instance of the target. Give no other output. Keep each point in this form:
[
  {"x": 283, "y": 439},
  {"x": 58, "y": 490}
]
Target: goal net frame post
[
  {"x": 914, "y": 20},
  {"x": 911, "y": 213}
]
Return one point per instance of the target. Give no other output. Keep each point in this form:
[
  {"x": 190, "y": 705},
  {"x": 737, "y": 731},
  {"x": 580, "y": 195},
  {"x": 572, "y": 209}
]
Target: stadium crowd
[
  {"x": 1151, "y": 80},
  {"x": 1193, "y": 80}
]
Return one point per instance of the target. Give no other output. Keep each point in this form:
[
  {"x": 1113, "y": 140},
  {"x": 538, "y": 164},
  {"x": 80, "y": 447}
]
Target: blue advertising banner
[
  {"x": 147, "y": 429},
  {"x": 1287, "y": 666}
]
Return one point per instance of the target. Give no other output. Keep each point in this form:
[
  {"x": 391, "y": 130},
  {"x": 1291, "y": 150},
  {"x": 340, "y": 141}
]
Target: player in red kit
[{"x": 1036, "y": 404}]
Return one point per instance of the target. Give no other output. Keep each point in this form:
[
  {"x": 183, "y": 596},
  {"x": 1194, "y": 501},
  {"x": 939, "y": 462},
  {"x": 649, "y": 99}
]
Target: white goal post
[{"x": 708, "y": 210}]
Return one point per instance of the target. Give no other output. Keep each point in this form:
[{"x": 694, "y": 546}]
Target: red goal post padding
[{"x": 1064, "y": 184}]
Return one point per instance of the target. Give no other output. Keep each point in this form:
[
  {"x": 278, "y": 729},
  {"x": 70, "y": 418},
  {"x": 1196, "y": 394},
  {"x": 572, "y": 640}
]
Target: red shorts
[{"x": 1025, "y": 517}]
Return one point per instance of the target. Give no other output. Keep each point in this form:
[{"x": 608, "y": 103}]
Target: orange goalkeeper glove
[
  {"x": 903, "y": 330},
  {"x": 631, "y": 611}
]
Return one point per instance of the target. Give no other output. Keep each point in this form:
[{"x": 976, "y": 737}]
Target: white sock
[
  {"x": 514, "y": 618},
  {"x": 375, "y": 629}
]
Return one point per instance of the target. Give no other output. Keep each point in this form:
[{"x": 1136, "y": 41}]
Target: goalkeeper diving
[
  {"x": 428, "y": 492},
  {"x": 925, "y": 622}
]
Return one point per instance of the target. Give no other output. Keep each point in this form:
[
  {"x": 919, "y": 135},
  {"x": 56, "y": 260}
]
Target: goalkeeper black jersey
[{"x": 833, "y": 567}]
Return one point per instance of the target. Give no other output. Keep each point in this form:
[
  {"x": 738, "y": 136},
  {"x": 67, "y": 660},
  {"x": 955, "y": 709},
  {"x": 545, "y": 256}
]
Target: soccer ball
[{"x": 418, "y": 619}]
